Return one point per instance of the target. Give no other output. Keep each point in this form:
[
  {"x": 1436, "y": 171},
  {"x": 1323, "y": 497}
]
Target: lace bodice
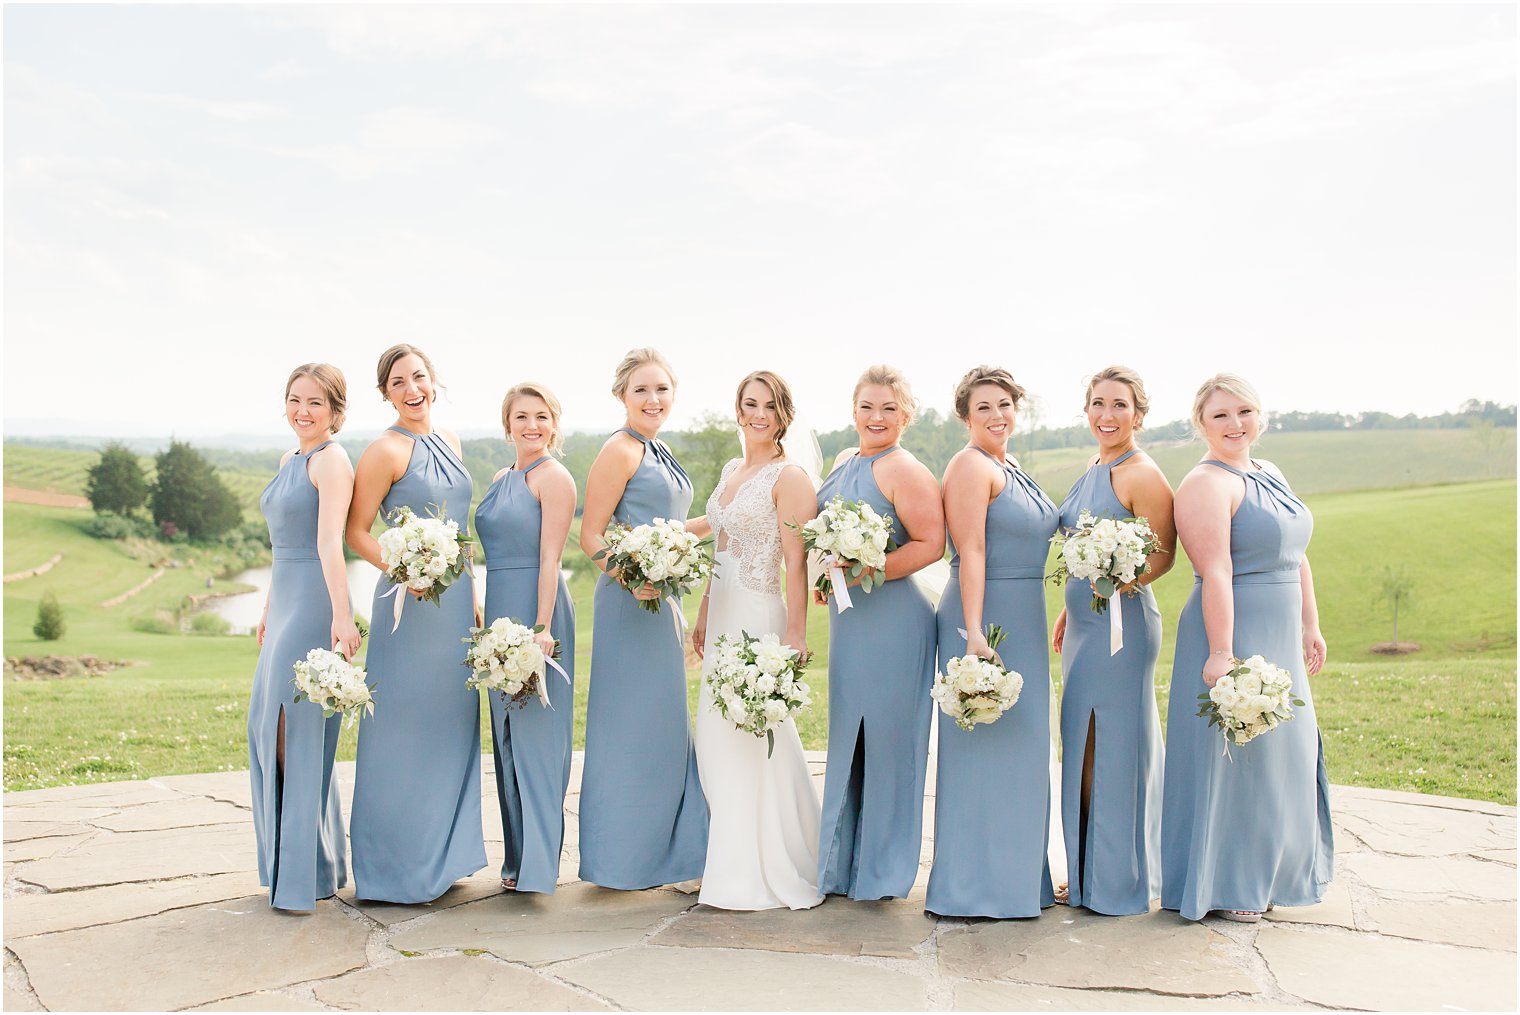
[{"x": 747, "y": 527}]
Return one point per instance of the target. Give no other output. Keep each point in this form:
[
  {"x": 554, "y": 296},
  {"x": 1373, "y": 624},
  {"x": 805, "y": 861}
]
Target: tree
[
  {"x": 189, "y": 495},
  {"x": 116, "y": 483},
  {"x": 49, "y": 625},
  {"x": 1396, "y": 587}
]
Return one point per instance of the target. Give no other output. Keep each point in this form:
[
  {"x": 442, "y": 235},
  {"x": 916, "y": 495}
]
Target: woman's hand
[
  {"x": 345, "y": 636},
  {"x": 820, "y": 597},
  {"x": 795, "y": 640},
  {"x": 976, "y": 645},
  {"x": 263, "y": 623},
  {"x": 480, "y": 617},
  {"x": 1314, "y": 650},
  {"x": 1217, "y": 665},
  {"x": 854, "y": 581},
  {"x": 699, "y": 630},
  {"x": 645, "y": 592},
  {"x": 1058, "y": 633},
  {"x": 545, "y": 641}
]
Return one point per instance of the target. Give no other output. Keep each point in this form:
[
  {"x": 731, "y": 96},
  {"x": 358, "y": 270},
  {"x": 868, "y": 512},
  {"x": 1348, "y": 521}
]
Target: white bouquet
[
  {"x": 504, "y": 657},
  {"x": 336, "y": 684},
  {"x": 757, "y": 683},
  {"x": 1255, "y": 697},
  {"x": 426, "y": 555},
  {"x": 852, "y": 537},
  {"x": 663, "y": 554},
  {"x": 1109, "y": 553},
  {"x": 974, "y": 690}
]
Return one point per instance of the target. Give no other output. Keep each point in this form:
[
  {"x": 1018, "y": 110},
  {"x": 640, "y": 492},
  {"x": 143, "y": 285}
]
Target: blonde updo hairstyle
[
  {"x": 1230, "y": 384},
  {"x": 890, "y": 377},
  {"x": 1124, "y": 375},
  {"x": 786, "y": 409},
  {"x": 530, "y": 389},
  {"x": 980, "y": 375},
  {"x": 334, "y": 388},
  {"x": 395, "y": 353},
  {"x": 631, "y": 362}
]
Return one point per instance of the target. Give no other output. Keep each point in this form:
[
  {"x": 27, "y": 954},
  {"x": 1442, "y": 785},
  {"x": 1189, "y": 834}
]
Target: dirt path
[{"x": 46, "y": 498}]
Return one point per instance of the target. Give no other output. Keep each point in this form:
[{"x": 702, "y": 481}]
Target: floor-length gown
[
  {"x": 1251, "y": 830},
  {"x": 532, "y": 743},
  {"x": 297, "y": 819},
  {"x": 1117, "y": 870},
  {"x": 992, "y": 785},
  {"x": 416, "y": 811},
  {"x": 881, "y": 667},
  {"x": 762, "y": 842},
  {"x": 643, "y": 819}
]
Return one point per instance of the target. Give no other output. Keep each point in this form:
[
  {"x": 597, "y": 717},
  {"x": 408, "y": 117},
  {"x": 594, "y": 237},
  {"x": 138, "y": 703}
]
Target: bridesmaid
[
  {"x": 881, "y": 661},
  {"x": 523, "y": 522},
  {"x": 297, "y": 820},
  {"x": 1110, "y": 732},
  {"x": 1240, "y": 836},
  {"x": 992, "y": 811},
  {"x": 416, "y": 812},
  {"x": 643, "y": 817}
]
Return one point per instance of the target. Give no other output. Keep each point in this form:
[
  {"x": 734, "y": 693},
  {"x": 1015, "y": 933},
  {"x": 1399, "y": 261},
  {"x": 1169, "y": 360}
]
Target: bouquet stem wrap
[
  {"x": 841, "y": 587},
  {"x": 1115, "y": 625}
]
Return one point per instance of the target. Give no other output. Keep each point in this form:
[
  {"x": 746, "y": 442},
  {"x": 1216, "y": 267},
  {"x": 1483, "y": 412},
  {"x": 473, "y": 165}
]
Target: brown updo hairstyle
[
  {"x": 1230, "y": 384},
  {"x": 531, "y": 389},
  {"x": 1124, "y": 375},
  {"x": 889, "y": 377},
  {"x": 631, "y": 362},
  {"x": 334, "y": 388},
  {"x": 388, "y": 360},
  {"x": 984, "y": 374},
  {"x": 786, "y": 409}
]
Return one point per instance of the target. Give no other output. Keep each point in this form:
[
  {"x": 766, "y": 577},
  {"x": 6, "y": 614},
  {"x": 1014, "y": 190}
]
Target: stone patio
[{"x": 143, "y": 895}]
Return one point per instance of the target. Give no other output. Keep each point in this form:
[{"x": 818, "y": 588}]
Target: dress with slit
[
  {"x": 881, "y": 668},
  {"x": 1117, "y": 870},
  {"x": 297, "y": 819}
]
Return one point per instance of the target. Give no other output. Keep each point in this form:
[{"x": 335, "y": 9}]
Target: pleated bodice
[
  {"x": 659, "y": 488},
  {"x": 1270, "y": 530},
  {"x": 1020, "y": 521},
  {"x": 435, "y": 482}
]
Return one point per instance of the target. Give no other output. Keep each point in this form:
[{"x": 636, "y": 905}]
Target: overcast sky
[{"x": 199, "y": 198}]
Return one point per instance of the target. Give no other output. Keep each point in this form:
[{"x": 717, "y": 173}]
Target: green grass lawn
[{"x": 1441, "y": 721}]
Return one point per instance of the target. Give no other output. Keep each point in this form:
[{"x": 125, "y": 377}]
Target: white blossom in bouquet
[
  {"x": 756, "y": 683},
  {"x": 504, "y": 657},
  {"x": 336, "y": 684},
  {"x": 850, "y": 534},
  {"x": 1108, "y": 552},
  {"x": 426, "y": 555},
  {"x": 1253, "y": 698},
  {"x": 662, "y": 554},
  {"x": 973, "y": 690}
]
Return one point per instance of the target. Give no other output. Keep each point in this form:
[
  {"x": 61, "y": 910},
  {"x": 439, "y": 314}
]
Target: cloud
[
  {"x": 220, "y": 109},
  {"x": 794, "y": 163},
  {"x": 396, "y": 140}
]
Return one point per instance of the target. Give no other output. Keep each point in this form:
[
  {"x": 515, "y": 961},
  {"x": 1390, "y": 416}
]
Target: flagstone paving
[{"x": 144, "y": 896}]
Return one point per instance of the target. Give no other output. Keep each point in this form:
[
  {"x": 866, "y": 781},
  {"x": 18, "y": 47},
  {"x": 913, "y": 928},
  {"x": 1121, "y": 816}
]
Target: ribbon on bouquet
[
  {"x": 675, "y": 607},
  {"x": 400, "y": 600},
  {"x": 840, "y": 590},
  {"x": 1115, "y": 622},
  {"x": 543, "y": 680}
]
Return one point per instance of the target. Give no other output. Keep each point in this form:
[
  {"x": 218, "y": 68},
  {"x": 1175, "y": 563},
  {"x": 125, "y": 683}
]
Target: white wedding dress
[{"x": 762, "y": 843}]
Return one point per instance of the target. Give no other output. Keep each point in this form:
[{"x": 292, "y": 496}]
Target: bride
[{"x": 762, "y": 844}]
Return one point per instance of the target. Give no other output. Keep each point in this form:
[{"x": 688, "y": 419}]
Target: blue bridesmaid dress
[
  {"x": 297, "y": 819},
  {"x": 1251, "y": 832},
  {"x": 643, "y": 816},
  {"x": 416, "y": 812},
  {"x": 1116, "y": 870},
  {"x": 532, "y": 743},
  {"x": 992, "y": 809},
  {"x": 881, "y": 668}
]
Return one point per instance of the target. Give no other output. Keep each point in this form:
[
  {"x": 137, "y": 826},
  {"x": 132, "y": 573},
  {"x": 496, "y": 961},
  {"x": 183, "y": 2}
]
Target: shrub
[
  {"x": 49, "y": 625},
  {"x": 209, "y": 623},
  {"x": 116, "y": 482},
  {"x": 118, "y": 527},
  {"x": 189, "y": 496},
  {"x": 157, "y": 622}
]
